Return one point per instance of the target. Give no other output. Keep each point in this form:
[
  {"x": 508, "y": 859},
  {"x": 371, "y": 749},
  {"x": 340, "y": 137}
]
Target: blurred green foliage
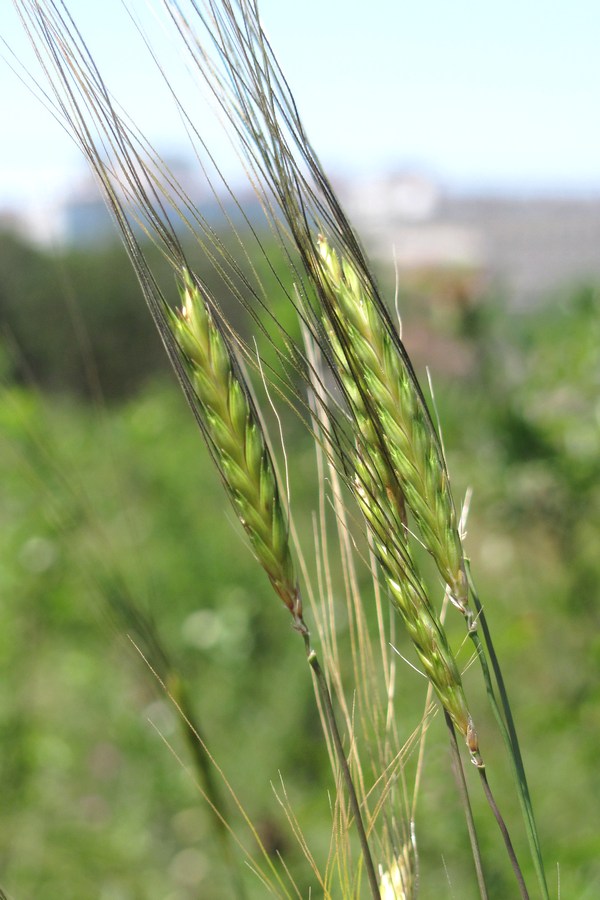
[
  {"x": 74, "y": 321},
  {"x": 107, "y": 508}
]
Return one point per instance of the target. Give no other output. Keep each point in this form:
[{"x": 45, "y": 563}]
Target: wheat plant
[{"x": 380, "y": 462}]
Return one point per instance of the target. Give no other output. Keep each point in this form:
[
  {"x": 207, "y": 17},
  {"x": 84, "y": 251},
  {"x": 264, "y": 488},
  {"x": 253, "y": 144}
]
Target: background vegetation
[{"x": 106, "y": 492}]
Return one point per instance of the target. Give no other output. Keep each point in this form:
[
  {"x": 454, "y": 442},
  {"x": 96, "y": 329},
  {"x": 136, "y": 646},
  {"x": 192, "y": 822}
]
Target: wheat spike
[
  {"x": 235, "y": 438},
  {"x": 390, "y": 416}
]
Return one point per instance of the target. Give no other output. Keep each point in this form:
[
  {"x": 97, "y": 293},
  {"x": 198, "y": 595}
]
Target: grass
[{"x": 382, "y": 487}]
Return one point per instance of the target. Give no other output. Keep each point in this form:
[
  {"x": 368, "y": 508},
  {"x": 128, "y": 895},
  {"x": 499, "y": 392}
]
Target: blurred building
[
  {"x": 526, "y": 244},
  {"x": 87, "y": 220},
  {"x": 529, "y": 245}
]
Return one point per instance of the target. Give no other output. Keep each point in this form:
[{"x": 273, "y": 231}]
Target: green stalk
[{"x": 508, "y": 731}]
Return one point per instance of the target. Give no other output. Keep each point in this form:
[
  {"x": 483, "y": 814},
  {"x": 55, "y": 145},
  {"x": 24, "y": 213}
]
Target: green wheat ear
[
  {"x": 391, "y": 417},
  {"x": 365, "y": 359},
  {"x": 235, "y": 439}
]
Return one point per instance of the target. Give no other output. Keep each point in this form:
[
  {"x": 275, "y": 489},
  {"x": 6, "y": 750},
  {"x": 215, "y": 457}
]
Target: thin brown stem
[
  {"x": 504, "y": 830},
  {"x": 461, "y": 783}
]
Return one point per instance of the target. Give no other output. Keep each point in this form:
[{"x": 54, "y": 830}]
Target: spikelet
[{"x": 235, "y": 438}]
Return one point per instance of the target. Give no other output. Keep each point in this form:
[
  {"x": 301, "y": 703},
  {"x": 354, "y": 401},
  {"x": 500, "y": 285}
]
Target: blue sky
[{"x": 478, "y": 94}]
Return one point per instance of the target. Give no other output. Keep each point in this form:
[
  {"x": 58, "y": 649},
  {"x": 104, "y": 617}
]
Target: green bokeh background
[{"x": 107, "y": 496}]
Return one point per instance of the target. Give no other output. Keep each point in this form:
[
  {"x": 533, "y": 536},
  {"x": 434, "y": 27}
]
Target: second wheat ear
[{"x": 391, "y": 416}]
